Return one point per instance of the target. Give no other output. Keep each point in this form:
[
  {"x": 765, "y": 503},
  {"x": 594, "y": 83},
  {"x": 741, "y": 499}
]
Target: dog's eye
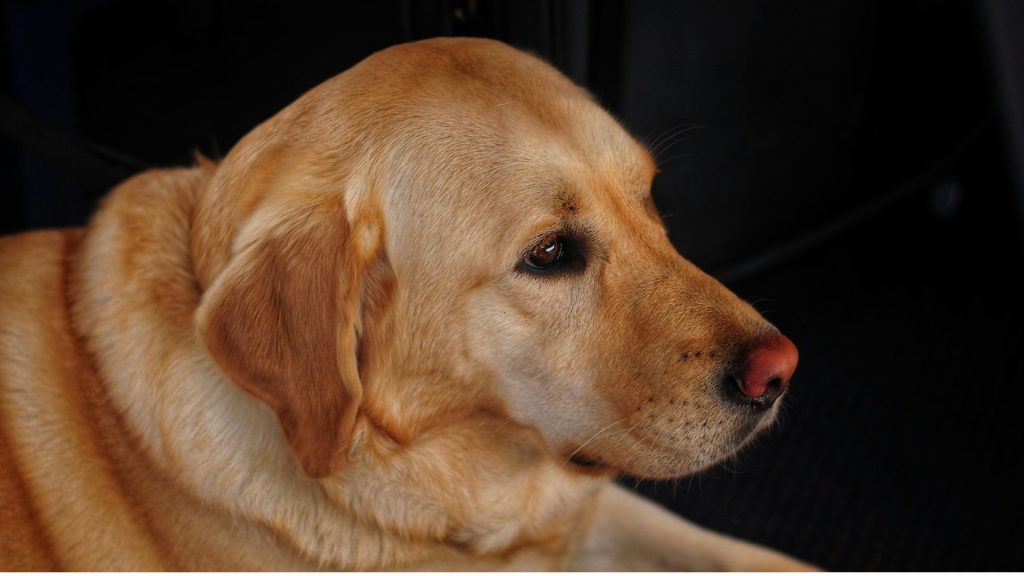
[
  {"x": 554, "y": 254},
  {"x": 545, "y": 253}
]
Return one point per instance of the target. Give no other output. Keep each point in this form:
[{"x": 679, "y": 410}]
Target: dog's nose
[{"x": 766, "y": 373}]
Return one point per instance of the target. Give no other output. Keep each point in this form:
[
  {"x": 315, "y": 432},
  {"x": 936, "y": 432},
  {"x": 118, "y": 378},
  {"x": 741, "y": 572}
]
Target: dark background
[{"x": 851, "y": 166}]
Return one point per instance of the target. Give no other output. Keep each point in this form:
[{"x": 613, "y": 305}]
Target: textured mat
[{"x": 900, "y": 444}]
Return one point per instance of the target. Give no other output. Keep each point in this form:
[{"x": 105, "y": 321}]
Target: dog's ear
[{"x": 281, "y": 321}]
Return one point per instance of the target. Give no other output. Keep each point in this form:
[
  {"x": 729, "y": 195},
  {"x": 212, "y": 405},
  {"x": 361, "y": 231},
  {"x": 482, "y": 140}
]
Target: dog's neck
[{"x": 209, "y": 433}]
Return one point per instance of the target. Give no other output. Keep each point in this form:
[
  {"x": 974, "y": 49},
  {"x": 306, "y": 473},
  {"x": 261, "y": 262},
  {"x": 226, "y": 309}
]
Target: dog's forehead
[
  {"x": 501, "y": 100},
  {"x": 477, "y": 126}
]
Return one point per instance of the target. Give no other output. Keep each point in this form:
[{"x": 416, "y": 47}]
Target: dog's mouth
[{"x": 588, "y": 465}]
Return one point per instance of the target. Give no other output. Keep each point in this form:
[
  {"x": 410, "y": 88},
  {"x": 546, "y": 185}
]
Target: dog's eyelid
[{"x": 574, "y": 253}]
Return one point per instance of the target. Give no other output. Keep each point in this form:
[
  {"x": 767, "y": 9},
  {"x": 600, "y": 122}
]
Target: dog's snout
[{"x": 765, "y": 374}]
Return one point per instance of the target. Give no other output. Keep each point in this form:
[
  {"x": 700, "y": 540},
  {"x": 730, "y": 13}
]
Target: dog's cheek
[{"x": 542, "y": 368}]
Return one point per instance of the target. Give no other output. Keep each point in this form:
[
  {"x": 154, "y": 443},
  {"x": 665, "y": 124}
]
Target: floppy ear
[{"x": 281, "y": 321}]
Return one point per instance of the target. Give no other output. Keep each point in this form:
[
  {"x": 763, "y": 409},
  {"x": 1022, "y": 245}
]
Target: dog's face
[{"x": 493, "y": 236}]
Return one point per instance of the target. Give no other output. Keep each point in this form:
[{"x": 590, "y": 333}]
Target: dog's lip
[
  {"x": 582, "y": 461},
  {"x": 587, "y": 464}
]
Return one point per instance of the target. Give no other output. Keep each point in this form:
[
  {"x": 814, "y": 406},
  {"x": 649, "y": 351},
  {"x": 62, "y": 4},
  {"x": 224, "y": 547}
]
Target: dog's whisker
[
  {"x": 667, "y": 147},
  {"x": 759, "y": 302},
  {"x": 591, "y": 439},
  {"x": 673, "y": 135},
  {"x": 661, "y": 136},
  {"x": 663, "y": 163}
]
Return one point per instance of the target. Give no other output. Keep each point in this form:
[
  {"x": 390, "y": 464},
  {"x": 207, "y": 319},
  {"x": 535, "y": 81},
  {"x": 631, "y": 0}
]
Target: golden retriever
[{"x": 420, "y": 318}]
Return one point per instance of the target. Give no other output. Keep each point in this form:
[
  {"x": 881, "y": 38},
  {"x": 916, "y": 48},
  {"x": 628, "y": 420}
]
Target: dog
[{"x": 419, "y": 319}]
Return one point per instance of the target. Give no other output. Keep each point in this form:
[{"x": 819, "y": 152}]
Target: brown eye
[{"x": 545, "y": 253}]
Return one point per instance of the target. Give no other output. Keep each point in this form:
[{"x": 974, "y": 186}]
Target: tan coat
[{"x": 333, "y": 349}]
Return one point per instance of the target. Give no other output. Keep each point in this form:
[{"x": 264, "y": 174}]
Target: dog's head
[{"x": 452, "y": 227}]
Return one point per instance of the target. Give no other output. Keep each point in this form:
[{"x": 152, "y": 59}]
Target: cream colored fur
[{"x": 367, "y": 238}]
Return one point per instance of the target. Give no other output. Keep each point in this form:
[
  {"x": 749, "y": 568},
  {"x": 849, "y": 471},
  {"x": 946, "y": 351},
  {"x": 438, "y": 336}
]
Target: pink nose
[{"x": 768, "y": 370}]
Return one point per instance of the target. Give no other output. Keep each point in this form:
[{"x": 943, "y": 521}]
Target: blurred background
[{"x": 852, "y": 167}]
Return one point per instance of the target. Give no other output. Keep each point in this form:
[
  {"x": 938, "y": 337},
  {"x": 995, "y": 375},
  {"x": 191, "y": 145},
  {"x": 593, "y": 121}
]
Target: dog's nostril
[
  {"x": 736, "y": 390},
  {"x": 765, "y": 374},
  {"x": 732, "y": 387}
]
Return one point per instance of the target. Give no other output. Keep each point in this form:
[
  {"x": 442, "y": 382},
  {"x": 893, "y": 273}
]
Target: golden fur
[{"x": 320, "y": 352}]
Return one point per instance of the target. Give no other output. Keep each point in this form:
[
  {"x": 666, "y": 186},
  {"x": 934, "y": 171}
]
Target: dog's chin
[
  {"x": 641, "y": 468},
  {"x": 656, "y": 461},
  {"x": 653, "y": 466}
]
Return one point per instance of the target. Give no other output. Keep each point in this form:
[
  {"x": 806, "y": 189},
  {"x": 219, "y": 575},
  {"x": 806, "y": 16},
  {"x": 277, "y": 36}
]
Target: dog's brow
[{"x": 567, "y": 200}]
